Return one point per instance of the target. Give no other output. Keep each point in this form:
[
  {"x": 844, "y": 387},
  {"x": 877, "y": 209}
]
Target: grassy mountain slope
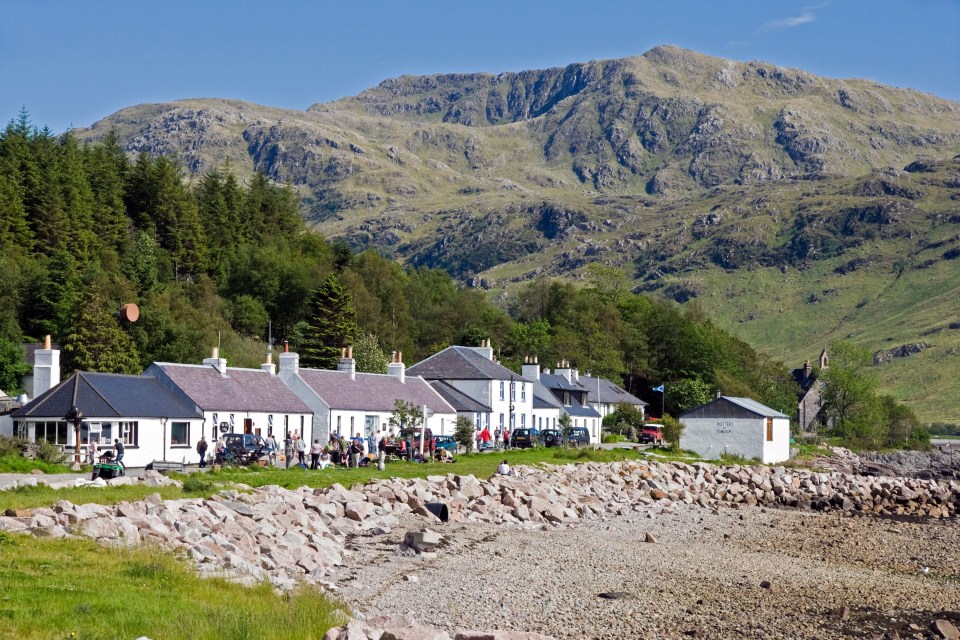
[{"x": 776, "y": 198}]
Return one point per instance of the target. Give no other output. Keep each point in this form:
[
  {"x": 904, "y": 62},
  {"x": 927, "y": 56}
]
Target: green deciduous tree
[
  {"x": 368, "y": 354},
  {"x": 685, "y": 394},
  {"x": 463, "y": 433}
]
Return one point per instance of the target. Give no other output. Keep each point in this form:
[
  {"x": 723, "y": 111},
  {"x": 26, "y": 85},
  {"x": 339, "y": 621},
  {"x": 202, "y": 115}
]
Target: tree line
[{"x": 216, "y": 260}]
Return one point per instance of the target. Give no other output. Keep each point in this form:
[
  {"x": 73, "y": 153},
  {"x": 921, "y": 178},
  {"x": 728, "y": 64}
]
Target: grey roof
[
  {"x": 577, "y": 410},
  {"x": 556, "y": 381},
  {"x": 461, "y": 363},
  {"x": 609, "y": 392},
  {"x": 108, "y": 395},
  {"x": 547, "y": 401},
  {"x": 371, "y": 391},
  {"x": 751, "y": 406},
  {"x": 458, "y": 399},
  {"x": 239, "y": 390}
]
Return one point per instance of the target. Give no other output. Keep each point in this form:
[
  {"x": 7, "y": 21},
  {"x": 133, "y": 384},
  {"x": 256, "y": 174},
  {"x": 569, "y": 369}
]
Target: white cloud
[{"x": 805, "y": 17}]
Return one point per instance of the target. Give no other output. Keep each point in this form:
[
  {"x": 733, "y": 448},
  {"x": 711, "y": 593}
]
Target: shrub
[
  {"x": 672, "y": 428},
  {"x": 49, "y": 452},
  {"x": 198, "y": 483},
  {"x": 463, "y": 433}
]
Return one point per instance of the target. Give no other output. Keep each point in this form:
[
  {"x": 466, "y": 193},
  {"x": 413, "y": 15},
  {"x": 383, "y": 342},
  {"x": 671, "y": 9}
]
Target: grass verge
[{"x": 74, "y": 589}]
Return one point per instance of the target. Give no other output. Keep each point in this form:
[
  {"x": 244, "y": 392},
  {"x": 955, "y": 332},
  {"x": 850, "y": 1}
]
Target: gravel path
[{"x": 728, "y": 573}]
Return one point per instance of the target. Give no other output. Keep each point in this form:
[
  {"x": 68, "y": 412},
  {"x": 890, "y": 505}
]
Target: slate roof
[
  {"x": 547, "y": 401},
  {"x": 108, "y": 395},
  {"x": 609, "y": 392},
  {"x": 458, "y": 399},
  {"x": 716, "y": 405},
  {"x": 240, "y": 390},
  {"x": 461, "y": 363},
  {"x": 577, "y": 410},
  {"x": 371, "y": 391},
  {"x": 556, "y": 381}
]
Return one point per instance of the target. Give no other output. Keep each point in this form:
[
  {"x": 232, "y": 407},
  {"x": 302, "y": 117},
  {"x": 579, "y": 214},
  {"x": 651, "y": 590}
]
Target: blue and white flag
[{"x": 660, "y": 388}]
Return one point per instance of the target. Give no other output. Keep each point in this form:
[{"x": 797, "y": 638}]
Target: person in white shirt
[
  {"x": 504, "y": 469},
  {"x": 92, "y": 449}
]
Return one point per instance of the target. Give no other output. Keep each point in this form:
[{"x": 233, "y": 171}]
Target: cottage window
[
  {"x": 180, "y": 434},
  {"x": 20, "y": 430},
  {"x": 501, "y": 389},
  {"x": 769, "y": 429},
  {"x": 52, "y": 432},
  {"x": 130, "y": 432},
  {"x": 523, "y": 421},
  {"x": 501, "y": 422},
  {"x": 523, "y": 392}
]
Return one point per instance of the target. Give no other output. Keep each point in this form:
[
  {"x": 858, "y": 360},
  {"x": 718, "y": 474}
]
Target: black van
[{"x": 578, "y": 436}]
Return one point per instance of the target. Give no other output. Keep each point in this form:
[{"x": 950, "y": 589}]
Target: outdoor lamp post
[
  {"x": 75, "y": 416},
  {"x": 513, "y": 393}
]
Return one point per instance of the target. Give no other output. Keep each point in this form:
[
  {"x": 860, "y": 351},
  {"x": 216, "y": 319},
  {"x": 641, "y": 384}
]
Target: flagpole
[{"x": 663, "y": 399}]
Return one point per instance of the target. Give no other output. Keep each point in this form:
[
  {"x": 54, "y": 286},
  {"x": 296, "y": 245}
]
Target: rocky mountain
[{"x": 796, "y": 209}]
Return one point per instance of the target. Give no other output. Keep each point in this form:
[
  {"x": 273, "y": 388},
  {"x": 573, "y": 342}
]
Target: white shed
[{"x": 737, "y": 426}]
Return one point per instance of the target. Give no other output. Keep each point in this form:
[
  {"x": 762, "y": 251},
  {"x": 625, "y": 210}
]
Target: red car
[{"x": 651, "y": 434}]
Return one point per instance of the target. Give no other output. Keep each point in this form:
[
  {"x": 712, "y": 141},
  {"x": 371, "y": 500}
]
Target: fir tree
[
  {"x": 97, "y": 343},
  {"x": 332, "y": 325}
]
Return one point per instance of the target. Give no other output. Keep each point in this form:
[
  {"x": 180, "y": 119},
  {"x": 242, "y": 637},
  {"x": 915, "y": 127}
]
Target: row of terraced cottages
[{"x": 162, "y": 414}]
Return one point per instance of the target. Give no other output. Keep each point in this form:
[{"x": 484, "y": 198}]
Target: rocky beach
[{"x": 641, "y": 549}]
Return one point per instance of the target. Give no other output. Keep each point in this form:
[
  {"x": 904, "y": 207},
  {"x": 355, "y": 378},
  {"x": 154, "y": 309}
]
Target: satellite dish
[{"x": 130, "y": 312}]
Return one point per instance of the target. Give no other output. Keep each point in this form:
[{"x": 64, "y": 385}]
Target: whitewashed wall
[
  {"x": 261, "y": 422},
  {"x": 712, "y": 437}
]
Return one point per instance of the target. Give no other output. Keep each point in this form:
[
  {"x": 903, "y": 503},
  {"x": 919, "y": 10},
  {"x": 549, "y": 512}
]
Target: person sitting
[
  {"x": 325, "y": 458},
  {"x": 417, "y": 456},
  {"x": 504, "y": 469},
  {"x": 444, "y": 455}
]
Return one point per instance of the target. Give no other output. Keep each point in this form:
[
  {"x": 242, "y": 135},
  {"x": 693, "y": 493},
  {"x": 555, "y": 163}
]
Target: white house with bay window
[{"x": 152, "y": 422}]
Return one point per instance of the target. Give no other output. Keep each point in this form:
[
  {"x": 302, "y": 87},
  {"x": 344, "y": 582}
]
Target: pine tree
[
  {"x": 97, "y": 343},
  {"x": 332, "y": 325}
]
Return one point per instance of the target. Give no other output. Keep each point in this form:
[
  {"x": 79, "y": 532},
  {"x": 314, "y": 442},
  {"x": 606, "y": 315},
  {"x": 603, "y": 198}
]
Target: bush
[
  {"x": 463, "y": 433},
  {"x": 672, "y": 428},
  {"x": 12, "y": 446},
  {"x": 49, "y": 452},
  {"x": 198, "y": 483}
]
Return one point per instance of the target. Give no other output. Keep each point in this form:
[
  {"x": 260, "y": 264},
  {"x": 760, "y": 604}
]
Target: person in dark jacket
[{"x": 202, "y": 450}]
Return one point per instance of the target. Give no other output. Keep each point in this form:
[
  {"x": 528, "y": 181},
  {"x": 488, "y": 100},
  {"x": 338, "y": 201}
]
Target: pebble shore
[{"x": 622, "y": 550}]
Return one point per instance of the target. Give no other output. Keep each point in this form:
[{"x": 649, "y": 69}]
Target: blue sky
[{"x": 72, "y": 63}]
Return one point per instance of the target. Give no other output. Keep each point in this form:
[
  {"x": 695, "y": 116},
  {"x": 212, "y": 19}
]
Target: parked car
[
  {"x": 551, "y": 437},
  {"x": 523, "y": 439},
  {"x": 578, "y": 436},
  {"x": 651, "y": 434},
  {"x": 446, "y": 442},
  {"x": 243, "y": 448}
]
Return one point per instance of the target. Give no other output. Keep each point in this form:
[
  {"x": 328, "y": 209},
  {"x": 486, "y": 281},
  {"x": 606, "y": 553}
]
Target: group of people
[
  {"x": 94, "y": 455},
  {"x": 484, "y": 438}
]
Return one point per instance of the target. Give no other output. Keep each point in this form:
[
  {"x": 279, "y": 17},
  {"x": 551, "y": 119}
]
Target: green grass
[
  {"x": 15, "y": 463},
  {"x": 44, "y": 496},
  {"x": 74, "y": 589},
  {"x": 480, "y": 465},
  {"x": 196, "y": 485}
]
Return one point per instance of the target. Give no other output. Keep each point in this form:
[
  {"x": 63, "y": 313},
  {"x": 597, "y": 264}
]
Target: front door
[{"x": 248, "y": 425}]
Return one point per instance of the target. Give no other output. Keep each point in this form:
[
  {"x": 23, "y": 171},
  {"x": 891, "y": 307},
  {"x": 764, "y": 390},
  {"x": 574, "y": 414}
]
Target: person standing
[
  {"x": 382, "y": 452},
  {"x": 287, "y": 450},
  {"x": 301, "y": 448},
  {"x": 92, "y": 450},
  {"x": 315, "y": 450},
  {"x": 119, "y": 450},
  {"x": 202, "y": 450},
  {"x": 485, "y": 436},
  {"x": 479, "y": 439},
  {"x": 356, "y": 450},
  {"x": 272, "y": 449},
  {"x": 506, "y": 438}
]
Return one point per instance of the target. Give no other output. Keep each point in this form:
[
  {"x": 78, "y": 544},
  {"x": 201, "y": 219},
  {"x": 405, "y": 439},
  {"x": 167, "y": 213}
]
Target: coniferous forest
[{"x": 85, "y": 229}]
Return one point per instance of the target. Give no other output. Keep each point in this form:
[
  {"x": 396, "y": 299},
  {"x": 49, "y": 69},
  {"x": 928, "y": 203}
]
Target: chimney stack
[
  {"x": 46, "y": 368},
  {"x": 396, "y": 368},
  {"x": 531, "y": 368},
  {"x": 268, "y": 366},
  {"x": 347, "y": 364},
  {"x": 563, "y": 369},
  {"x": 218, "y": 363},
  {"x": 289, "y": 363},
  {"x": 485, "y": 349}
]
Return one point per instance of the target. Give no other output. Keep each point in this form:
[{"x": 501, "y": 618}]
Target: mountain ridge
[{"x": 693, "y": 174}]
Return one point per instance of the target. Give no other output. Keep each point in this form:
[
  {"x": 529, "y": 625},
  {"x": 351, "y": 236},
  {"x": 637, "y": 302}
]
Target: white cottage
[
  {"x": 737, "y": 426},
  {"x": 151, "y": 421},
  {"x": 237, "y": 400},
  {"x": 347, "y": 403},
  {"x": 472, "y": 371}
]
